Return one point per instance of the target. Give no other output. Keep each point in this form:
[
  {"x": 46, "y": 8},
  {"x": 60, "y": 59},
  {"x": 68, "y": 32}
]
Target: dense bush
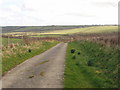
[
  {"x": 72, "y": 50},
  {"x": 78, "y": 53},
  {"x": 29, "y": 50}
]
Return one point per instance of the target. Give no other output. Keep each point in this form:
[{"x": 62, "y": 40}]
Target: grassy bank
[
  {"x": 18, "y": 53},
  {"x": 95, "y": 66}
]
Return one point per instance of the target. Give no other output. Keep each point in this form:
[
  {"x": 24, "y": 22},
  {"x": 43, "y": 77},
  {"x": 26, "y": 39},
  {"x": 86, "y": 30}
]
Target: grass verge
[
  {"x": 18, "y": 54},
  {"x": 95, "y": 66}
]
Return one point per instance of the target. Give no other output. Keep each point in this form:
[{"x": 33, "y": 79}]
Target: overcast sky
[{"x": 58, "y": 12}]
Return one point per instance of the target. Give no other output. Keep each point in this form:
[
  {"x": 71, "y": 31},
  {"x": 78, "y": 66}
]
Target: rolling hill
[{"x": 9, "y": 29}]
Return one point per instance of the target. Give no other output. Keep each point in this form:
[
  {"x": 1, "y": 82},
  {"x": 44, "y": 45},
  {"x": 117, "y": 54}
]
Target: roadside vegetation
[
  {"x": 19, "y": 50},
  {"x": 91, "y": 65},
  {"x": 108, "y": 39}
]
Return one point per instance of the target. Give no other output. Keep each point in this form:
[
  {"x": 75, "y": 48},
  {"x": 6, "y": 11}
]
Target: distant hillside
[
  {"x": 87, "y": 30},
  {"x": 9, "y": 29}
]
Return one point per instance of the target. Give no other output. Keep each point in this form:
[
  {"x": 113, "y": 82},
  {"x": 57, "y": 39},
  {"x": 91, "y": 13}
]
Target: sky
[{"x": 58, "y": 12}]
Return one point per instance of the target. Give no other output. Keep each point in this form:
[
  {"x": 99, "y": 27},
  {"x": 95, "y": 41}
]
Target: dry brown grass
[
  {"x": 108, "y": 39},
  {"x": 13, "y": 49}
]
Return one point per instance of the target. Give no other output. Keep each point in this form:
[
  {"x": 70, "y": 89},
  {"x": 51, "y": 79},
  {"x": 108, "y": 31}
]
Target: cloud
[
  {"x": 50, "y": 12},
  {"x": 25, "y": 8},
  {"x": 21, "y": 20},
  {"x": 14, "y": 14},
  {"x": 84, "y": 15},
  {"x": 0, "y": 1},
  {"x": 105, "y": 4}
]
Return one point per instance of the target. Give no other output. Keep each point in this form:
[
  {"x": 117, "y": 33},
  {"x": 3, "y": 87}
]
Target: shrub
[
  {"x": 29, "y": 50},
  {"x": 78, "y": 53},
  {"x": 72, "y": 50}
]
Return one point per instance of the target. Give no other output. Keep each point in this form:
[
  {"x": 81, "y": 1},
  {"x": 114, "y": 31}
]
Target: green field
[
  {"x": 95, "y": 67},
  {"x": 6, "y": 41},
  {"x": 95, "y": 29}
]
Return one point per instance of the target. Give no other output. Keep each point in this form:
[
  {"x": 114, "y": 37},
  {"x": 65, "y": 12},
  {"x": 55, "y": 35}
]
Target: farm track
[{"x": 42, "y": 71}]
